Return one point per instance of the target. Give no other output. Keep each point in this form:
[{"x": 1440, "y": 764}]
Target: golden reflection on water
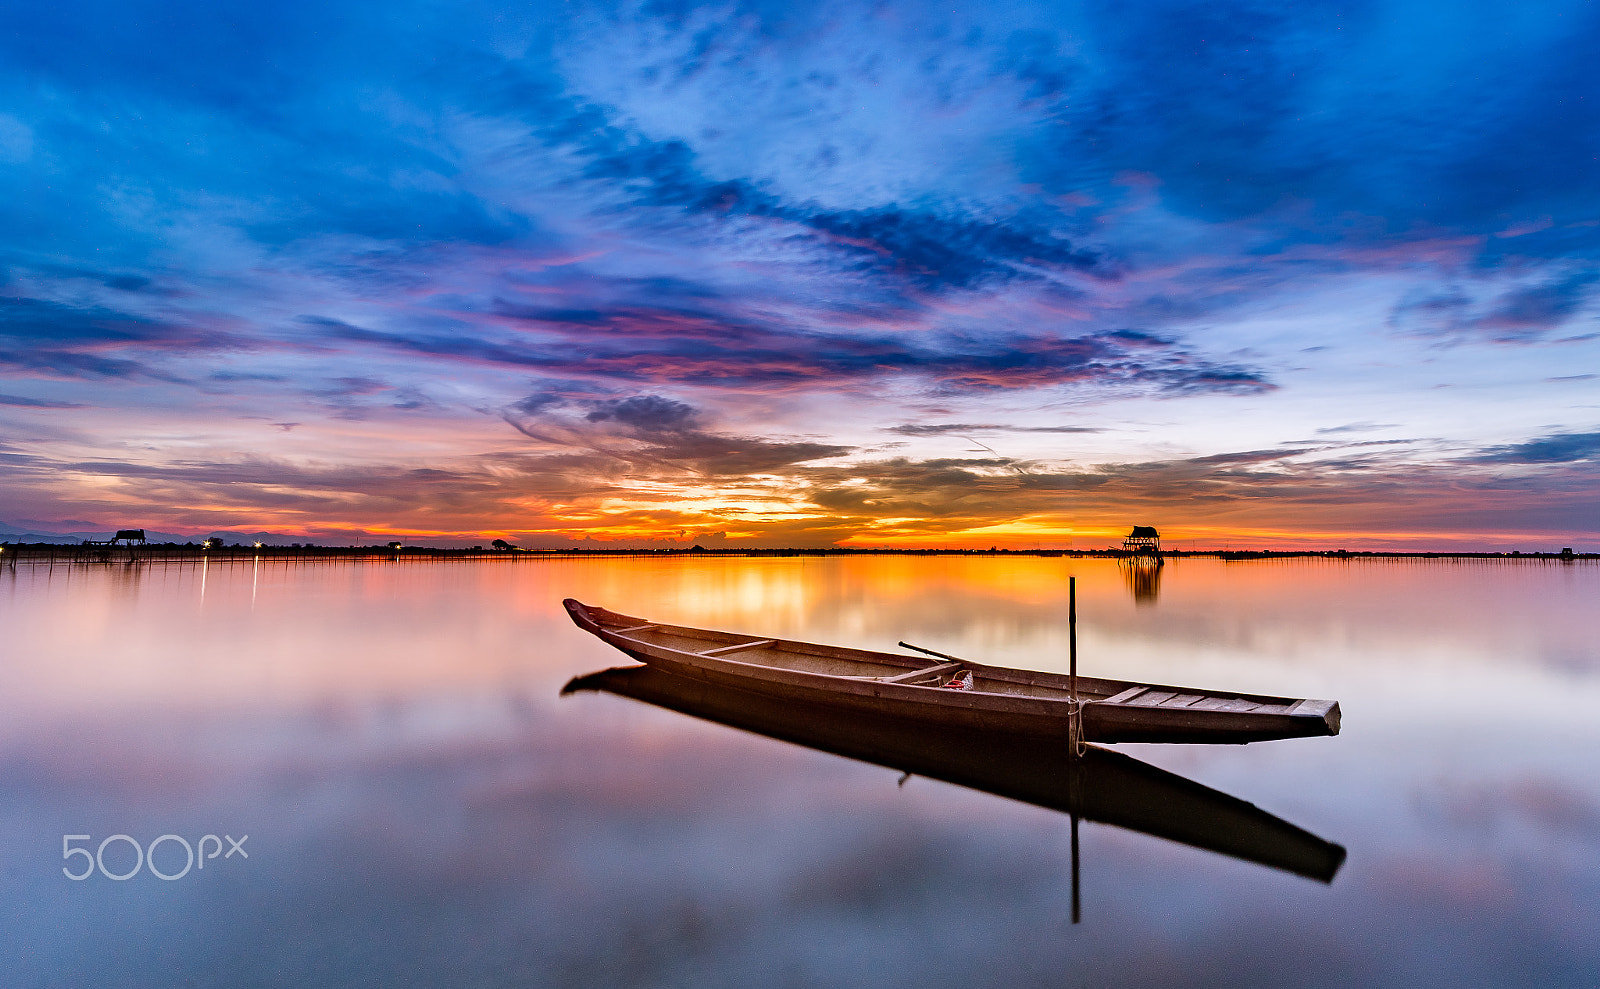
[
  {"x": 1143, "y": 576},
  {"x": 284, "y": 632}
]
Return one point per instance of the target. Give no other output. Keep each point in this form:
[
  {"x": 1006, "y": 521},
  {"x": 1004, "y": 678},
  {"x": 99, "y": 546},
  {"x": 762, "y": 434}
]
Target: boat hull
[
  {"x": 1103, "y": 719},
  {"x": 1101, "y": 723}
]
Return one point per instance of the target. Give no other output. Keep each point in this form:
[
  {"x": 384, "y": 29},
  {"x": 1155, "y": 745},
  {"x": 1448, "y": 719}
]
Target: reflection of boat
[
  {"x": 1100, "y": 785},
  {"x": 996, "y": 697}
]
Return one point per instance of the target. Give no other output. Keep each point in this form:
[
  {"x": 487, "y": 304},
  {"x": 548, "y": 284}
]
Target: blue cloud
[
  {"x": 43, "y": 323},
  {"x": 1557, "y": 448},
  {"x": 23, "y": 402},
  {"x": 944, "y": 428},
  {"x": 702, "y": 348},
  {"x": 1539, "y": 307},
  {"x": 646, "y": 413},
  {"x": 930, "y": 248},
  {"x": 59, "y": 340}
]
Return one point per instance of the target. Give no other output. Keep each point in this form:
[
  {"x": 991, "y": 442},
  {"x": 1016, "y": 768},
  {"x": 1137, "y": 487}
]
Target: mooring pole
[
  {"x": 1072, "y": 631},
  {"x": 1074, "y": 706}
]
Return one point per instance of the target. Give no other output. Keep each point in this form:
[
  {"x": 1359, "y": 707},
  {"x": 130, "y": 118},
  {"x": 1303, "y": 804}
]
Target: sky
[{"x": 773, "y": 274}]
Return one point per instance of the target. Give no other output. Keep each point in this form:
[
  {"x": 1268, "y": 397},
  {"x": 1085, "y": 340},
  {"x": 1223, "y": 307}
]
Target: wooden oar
[{"x": 930, "y": 652}]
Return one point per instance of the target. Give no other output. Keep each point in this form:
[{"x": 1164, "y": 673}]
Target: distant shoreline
[{"x": 60, "y": 552}]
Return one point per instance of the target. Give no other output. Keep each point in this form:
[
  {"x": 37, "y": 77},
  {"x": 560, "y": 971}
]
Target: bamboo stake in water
[{"x": 1072, "y": 631}]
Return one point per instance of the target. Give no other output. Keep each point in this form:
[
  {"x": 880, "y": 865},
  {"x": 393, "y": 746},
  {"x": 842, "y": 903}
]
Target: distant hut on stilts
[{"x": 1144, "y": 540}]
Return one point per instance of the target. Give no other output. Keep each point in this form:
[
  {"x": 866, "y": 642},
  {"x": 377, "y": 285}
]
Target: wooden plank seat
[
  {"x": 737, "y": 647},
  {"x": 926, "y": 671}
]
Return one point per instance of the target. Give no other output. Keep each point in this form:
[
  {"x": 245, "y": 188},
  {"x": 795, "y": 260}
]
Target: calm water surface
[{"x": 423, "y": 808}]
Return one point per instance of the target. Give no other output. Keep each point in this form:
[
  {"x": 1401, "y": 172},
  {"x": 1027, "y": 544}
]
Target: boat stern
[{"x": 1325, "y": 711}]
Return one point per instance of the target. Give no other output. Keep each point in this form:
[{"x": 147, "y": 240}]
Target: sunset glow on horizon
[{"x": 857, "y": 274}]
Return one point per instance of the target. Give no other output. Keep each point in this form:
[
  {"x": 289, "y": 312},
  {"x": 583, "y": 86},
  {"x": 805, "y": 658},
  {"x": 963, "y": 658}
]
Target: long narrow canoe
[
  {"x": 1100, "y": 785},
  {"x": 998, "y": 697}
]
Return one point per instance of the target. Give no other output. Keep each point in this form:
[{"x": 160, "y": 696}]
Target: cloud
[
  {"x": 537, "y": 402},
  {"x": 16, "y": 140},
  {"x": 1518, "y": 314},
  {"x": 231, "y": 376},
  {"x": 929, "y": 249},
  {"x": 687, "y": 347},
  {"x": 1317, "y": 490},
  {"x": 42, "y": 322},
  {"x": 1557, "y": 448},
  {"x": 646, "y": 414},
  {"x": 1355, "y": 427},
  {"x": 20, "y": 401},
  {"x": 1534, "y": 309},
  {"x": 57, "y": 339},
  {"x": 940, "y": 429},
  {"x": 656, "y": 433},
  {"x": 607, "y": 482},
  {"x": 67, "y": 364}
]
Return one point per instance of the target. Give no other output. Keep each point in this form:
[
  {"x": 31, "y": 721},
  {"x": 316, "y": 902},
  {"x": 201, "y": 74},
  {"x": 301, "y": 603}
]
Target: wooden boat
[
  {"x": 999, "y": 698},
  {"x": 1100, "y": 785}
]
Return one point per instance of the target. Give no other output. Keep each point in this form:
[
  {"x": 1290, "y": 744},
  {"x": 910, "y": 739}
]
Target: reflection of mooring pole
[{"x": 1077, "y": 906}]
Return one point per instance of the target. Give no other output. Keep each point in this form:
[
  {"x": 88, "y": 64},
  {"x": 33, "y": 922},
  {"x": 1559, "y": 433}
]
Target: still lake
[{"x": 423, "y": 807}]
